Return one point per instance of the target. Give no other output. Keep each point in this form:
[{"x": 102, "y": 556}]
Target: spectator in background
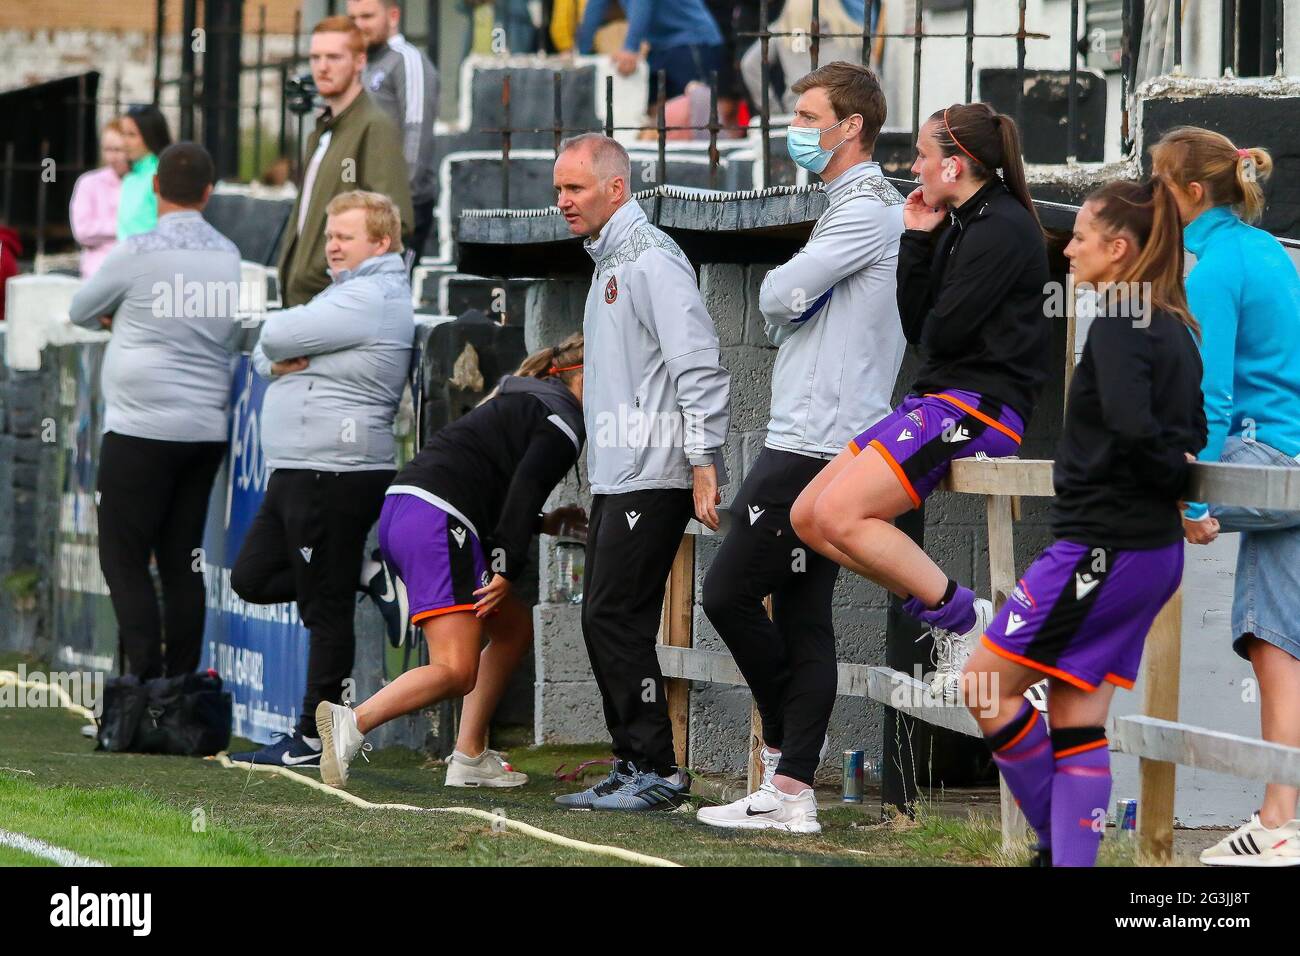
[
  {"x": 337, "y": 367},
  {"x": 354, "y": 146},
  {"x": 684, "y": 40},
  {"x": 11, "y": 248},
  {"x": 166, "y": 382},
  {"x": 566, "y": 18},
  {"x": 144, "y": 137},
  {"x": 791, "y": 55},
  {"x": 276, "y": 181},
  {"x": 93, "y": 211},
  {"x": 404, "y": 84}
]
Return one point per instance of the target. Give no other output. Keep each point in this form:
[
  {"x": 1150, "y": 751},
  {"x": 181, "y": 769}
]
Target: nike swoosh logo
[
  {"x": 389, "y": 594},
  {"x": 751, "y": 812},
  {"x": 291, "y": 761}
]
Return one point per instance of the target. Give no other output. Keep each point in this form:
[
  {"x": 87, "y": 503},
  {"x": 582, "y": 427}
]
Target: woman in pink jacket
[{"x": 93, "y": 212}]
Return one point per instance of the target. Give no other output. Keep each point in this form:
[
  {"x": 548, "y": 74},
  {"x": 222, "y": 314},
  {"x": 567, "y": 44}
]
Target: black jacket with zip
[
  {"x": 498, "y": 463},
  {"x": 972, "y": 297}
]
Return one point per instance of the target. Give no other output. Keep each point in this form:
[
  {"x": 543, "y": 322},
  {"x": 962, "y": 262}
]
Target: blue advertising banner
[{"x": 260, "y": 651}]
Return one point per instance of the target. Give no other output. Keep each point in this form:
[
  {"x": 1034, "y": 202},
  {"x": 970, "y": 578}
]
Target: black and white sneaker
[
  {"x": 620, "y": 774},
  {"x": 289, "y": 750},
  {"x": 389, "y": 594}
]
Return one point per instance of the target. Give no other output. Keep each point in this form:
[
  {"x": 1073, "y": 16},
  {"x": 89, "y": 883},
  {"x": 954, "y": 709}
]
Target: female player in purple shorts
[
  {"x": 1081, "y": 612},
  {"x": 971, "y": 297},
  {"x": 455, "y": 529}
]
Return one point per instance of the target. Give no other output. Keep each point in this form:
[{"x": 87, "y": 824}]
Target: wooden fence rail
[{"x": 1156, "y": 737}]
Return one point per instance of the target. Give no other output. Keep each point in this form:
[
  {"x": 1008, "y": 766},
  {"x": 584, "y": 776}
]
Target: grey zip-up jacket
[
  {"x": 173, "y": 293},
  {"x": 404, "y": 84},
  {"x": 337, "y": 413},
  {"x": 655, "y": 395},
  {"x": 833, "y": 312}
]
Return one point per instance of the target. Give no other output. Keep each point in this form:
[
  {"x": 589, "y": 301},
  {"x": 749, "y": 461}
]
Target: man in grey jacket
[
  {"x": 656, "y": 407},
  {"x": 337, "y": 367},
  {"x": 404, "y": 84},
  {"x": 833, "y": 312},
  {"x": 170, "y": 297}
]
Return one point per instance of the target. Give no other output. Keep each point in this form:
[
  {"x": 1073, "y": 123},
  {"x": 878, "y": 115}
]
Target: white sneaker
[
  {"x": 488, "y": 769},
  {"x": 1253, "y": 844},
  {"x": 770, "y": 759},
  {"x": 766, "y": 809},
  {"x": 340, "y": 741},
  {"x": 952, "y": 650}
]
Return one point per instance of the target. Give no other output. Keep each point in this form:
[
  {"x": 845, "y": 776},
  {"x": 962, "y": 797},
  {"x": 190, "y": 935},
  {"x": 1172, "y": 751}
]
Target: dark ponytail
[{"x": 988, "y": 141}]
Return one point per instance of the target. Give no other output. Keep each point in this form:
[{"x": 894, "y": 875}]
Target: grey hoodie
[
  {"x": 404, "y": 83},
  {"x": 337, "y": 413},
  {"x": 833, "y": 311},
  {"x": 173, "y": 293},
  {"x": 655, "y": 395}
]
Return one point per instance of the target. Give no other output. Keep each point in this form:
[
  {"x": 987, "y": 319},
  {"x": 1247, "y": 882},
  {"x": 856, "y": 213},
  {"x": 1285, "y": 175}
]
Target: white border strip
[{"x": 46, "y": 851}]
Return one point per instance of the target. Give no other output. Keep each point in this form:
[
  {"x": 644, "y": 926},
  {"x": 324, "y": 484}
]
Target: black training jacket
[
  {"x": 972, "y": 297},
  {"x": 498, "y": 463},
  {"x": 1134, "y": 408}
]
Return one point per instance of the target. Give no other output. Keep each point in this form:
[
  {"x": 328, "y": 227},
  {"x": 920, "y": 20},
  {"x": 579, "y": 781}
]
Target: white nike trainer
[
  {"x": 488, "y": 769},
  {"x": 953, "y": 650},
  {"x": 340, "y": 741},
  {"x": 766, "y": 809}
]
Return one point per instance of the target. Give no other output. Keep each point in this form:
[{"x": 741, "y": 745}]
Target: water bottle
[{"x": 569, "y": 565}]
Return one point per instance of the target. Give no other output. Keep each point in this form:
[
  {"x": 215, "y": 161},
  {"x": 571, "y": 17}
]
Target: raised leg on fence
[
  {"x": 1002, "y": 579},
  {"x": 1163, "y": 660}
]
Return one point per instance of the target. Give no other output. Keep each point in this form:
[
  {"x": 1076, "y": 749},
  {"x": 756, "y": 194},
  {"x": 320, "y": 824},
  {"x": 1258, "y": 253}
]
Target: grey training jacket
[
  {"x": 655, "y": 395},
  {"x": 337, "y": 413},
  {"x": 173, "y": 293},
  {"x": 833, "y": 312},
  {"x": 404, "y": 84}
]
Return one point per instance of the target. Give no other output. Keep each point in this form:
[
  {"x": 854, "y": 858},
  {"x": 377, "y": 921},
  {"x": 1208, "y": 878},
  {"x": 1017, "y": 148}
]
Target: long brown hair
[
  {"x": 988, "y": 141},
  {"x": 562, "y": 362},
  {"x": 1148, "y": 212},
  {"x": 1231, "y": 176}
]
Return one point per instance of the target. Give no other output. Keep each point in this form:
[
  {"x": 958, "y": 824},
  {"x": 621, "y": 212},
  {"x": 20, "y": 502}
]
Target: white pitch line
[{"x": 46, "y": 851}]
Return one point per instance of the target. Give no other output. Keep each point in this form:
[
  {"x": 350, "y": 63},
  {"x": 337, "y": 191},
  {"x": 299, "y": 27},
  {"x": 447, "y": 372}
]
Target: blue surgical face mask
[{"x": 804, "y": 144}]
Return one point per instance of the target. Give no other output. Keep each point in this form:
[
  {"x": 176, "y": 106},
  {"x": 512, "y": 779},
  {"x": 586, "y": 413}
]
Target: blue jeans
[{"x": 1266, "y": 594}]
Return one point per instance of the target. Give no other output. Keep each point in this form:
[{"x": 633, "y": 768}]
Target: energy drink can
[
  {"x": 854, "y": 764},
  {"x": 1126, "y": 816}
]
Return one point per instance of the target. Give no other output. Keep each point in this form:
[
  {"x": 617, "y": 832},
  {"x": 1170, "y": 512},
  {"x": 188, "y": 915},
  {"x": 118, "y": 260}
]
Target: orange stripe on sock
[
  {"x": 1078, "y": 682},
  {"x": 898, "y": 470},
  {"x": 1021, "y": 736},
  {"x": 976, "y": 413},
  {"x": 1082, "y": 748},
  {"x": 436, "y": 612}
]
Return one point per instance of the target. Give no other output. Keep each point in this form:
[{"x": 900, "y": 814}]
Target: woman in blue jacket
[{"x": 1245, "y": 292}]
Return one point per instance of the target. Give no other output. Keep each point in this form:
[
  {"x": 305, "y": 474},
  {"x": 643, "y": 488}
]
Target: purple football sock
[
  {"x": 957, "y": 614},
  {"x": 1023, "y": 754},
  {"x": 1080, "y": 795}
]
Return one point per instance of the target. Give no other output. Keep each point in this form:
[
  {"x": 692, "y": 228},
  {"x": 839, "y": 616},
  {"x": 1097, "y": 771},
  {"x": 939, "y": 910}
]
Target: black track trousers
[
  {"x": 307, "y": 544},
  {"x": 632, "y": 539},
  {"x": 789, "y": 659}
]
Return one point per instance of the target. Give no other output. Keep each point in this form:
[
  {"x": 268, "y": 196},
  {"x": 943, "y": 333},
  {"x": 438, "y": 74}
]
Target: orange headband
[{"x": 953, "y": 137}]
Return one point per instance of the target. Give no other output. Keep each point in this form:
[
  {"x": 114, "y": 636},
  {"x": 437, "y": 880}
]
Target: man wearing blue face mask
[{"x": 832, "y": 311}]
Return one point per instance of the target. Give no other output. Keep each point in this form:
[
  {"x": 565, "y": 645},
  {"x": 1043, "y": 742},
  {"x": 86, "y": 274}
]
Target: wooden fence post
[
  {"x": 675, "y": 630},
  {"x": 1163, "y": 660},
  {"x": 1002, "y": 580}
]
